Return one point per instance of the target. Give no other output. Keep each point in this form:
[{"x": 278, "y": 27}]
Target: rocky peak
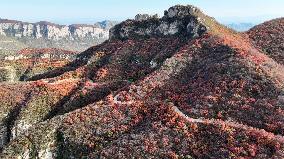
[
  {"x": 187, "y": 21},
  {"x": 182, "y": 11},
  {"x": 142, "y": 17}
]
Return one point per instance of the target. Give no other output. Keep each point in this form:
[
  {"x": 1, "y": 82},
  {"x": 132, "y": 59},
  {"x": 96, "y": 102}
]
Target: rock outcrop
[
  {"x": 142, "y": 17},
  {"x": 187, "y": 21}
]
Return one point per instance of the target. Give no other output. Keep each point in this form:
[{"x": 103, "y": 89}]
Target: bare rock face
[
  {"x": 46, "y": 34},
  {"x": 142, "y": 17},
  {"x": 50, "y": 31},
  {"x": 182, "y": 11},
  {"x": 178, "y": 20}
]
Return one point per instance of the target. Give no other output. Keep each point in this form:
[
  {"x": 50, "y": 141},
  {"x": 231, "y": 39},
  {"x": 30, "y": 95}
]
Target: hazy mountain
[{"x": 240, "y": 26}]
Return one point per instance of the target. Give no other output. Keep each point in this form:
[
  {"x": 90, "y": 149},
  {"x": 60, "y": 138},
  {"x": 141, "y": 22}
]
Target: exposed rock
[
  {"x": 188, "y": 21},
  {"x": 50, "y": 31},
  {"x": 180, "y": 11},
  {"x": 141, "y": 17},
  {"x": 46, "y": 34}
]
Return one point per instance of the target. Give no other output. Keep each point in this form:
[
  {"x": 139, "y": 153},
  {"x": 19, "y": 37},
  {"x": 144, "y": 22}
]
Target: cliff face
[{"x": 45, "y": 34}]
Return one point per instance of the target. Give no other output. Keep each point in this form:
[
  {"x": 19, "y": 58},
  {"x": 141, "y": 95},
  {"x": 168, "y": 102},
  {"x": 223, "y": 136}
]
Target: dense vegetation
[{"x": 214, "y": 95}]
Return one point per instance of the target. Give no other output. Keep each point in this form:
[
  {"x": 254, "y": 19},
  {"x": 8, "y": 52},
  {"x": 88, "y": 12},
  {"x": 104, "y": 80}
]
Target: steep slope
[
  {"x": 269, "y": 37},
  {"x": 9, "y": 46},
  {"x": 27, "y": 63},
  {"x": 182, "y": 86},
  {"x": 76, "y": 37}
]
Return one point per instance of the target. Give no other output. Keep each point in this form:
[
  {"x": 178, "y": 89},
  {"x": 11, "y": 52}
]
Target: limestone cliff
[{"x": 45, "y": 34}]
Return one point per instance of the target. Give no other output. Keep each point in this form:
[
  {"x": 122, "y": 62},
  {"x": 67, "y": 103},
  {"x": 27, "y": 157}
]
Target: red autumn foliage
[
  {"x": 215, "y": 96},
  {"x": 269, "y": 37},
  {"x": 33, "y": 51}
]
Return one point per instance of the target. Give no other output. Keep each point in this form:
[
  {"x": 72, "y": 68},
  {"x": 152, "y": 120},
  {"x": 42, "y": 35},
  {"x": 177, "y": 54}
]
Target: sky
[{"x": 91, "y": 11}]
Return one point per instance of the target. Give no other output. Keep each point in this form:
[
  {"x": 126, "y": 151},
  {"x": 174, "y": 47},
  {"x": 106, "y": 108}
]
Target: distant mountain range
[
  {"x": 240, "y": 26},
  {"x": 76, "y": 37}
]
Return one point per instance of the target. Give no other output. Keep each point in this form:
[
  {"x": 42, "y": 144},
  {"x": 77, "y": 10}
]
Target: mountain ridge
[
  {"x": 268, "y": 37},
  {"x": 146, "y": 94}
]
